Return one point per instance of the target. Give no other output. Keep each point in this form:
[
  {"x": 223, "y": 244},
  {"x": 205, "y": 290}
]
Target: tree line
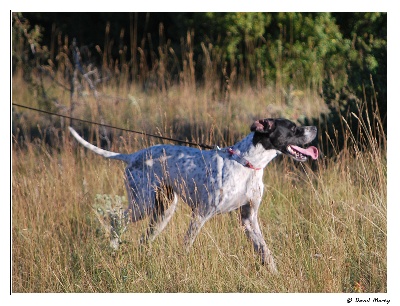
[{"x": 341, "y": 55}]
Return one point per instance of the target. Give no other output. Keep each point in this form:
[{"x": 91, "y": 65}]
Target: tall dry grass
[{"x": 324, "y": 222}]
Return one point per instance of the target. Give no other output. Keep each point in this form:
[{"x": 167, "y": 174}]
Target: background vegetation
[{"x": 202, "y": 77}]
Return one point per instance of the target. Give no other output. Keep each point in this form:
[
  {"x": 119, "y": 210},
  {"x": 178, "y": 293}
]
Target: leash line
[
  {"x": 236, "y": 156},
  {"x": 201, "y": 145}
]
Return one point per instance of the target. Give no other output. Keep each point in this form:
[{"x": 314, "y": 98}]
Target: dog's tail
[{"x": 104, "y": 153}]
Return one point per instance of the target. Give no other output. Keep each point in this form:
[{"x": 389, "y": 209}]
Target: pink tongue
[{"x": 310, "y": 151}]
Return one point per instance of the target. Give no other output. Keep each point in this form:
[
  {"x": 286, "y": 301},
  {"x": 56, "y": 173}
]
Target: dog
[{"x": 210, "y": 182}]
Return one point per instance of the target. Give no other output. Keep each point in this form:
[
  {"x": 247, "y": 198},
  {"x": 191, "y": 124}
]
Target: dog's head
[{"x": 283, "y": 135}]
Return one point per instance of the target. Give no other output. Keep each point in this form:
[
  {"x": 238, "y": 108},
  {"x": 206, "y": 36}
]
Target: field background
[{"x": 325, "y": 221}]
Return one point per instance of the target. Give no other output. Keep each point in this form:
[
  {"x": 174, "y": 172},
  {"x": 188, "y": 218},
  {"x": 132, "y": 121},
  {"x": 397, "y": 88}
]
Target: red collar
[{"x": 241, "y": 160}]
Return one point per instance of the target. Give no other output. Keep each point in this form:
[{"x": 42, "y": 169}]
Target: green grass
[{"x": 325, "y": 223}]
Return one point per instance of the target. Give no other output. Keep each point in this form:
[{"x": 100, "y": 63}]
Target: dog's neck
[{"x": 257, "y": 155}]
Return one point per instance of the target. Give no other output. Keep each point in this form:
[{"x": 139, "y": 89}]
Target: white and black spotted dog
[{"x": 210, "y": 182}]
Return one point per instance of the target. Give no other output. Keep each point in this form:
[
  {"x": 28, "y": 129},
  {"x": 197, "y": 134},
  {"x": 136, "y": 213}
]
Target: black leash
[{"x": 201, "y": 145}]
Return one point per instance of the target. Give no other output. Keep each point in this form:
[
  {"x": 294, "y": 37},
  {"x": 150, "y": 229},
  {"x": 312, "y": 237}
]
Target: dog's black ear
[{"x": 263, "y": 126}]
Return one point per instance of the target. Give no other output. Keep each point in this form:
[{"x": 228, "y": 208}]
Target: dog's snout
[
  {"x": 311, "y": 130},
  {"x": 310, "y": 133}
]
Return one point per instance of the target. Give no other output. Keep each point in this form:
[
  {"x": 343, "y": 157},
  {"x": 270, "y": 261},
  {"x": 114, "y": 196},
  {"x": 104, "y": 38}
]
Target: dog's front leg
[{"x": 250, "y": 222}]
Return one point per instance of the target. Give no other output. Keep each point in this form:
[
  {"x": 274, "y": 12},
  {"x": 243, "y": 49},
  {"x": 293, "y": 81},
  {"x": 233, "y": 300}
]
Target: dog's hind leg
[
  {"x": 196, "y": 223},
  {"x": 166, "y": 201},
  {"x": 249, "y": 221}
]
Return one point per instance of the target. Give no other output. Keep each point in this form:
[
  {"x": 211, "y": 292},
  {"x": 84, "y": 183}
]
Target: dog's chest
[{"x": 238, "y": 186}]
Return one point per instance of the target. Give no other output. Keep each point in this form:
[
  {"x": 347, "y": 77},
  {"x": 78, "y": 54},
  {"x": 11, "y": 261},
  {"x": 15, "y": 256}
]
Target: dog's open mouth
[{"x": 301, "y": 154}]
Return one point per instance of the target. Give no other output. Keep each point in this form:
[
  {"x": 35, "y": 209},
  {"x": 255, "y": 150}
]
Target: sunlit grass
[{"x": 325, "y": 223}]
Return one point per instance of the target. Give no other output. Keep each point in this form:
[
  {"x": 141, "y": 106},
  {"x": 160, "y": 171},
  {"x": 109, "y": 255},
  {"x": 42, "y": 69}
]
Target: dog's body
[{"x": 210, "y": 182}]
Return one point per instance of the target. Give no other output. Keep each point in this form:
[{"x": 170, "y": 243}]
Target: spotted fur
[{"x": 210, "y": 182}]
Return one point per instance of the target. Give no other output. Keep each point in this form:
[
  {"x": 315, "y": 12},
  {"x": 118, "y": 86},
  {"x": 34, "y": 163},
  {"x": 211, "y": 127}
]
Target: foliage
[
  {"x": 367, "y": 65},
  {"x": 294, "y": 48},
  {"x": 109, "y": 211},
  {"x": 366, "y": 77},
  {"x": 27, "y": 49}
]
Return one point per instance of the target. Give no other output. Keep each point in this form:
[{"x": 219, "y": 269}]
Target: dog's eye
[{"x": 293, "y": 128}]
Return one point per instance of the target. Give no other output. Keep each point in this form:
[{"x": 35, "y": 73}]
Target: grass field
[{"x": 324, "y": 222}]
